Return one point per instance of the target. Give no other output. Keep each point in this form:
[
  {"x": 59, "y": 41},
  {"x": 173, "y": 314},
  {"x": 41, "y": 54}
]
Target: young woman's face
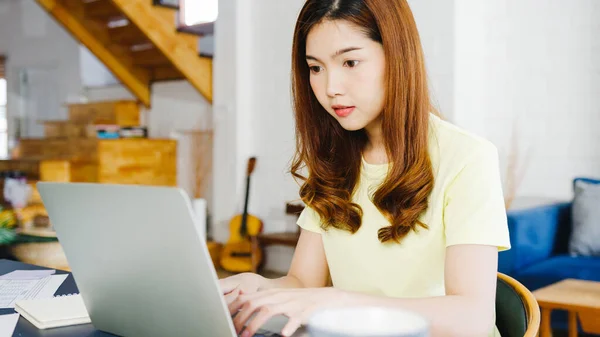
[{"x": 346, "y": 73}]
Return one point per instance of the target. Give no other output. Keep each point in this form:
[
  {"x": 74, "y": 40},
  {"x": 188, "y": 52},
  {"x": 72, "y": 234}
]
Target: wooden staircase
[{"x": 140, "y": 43}]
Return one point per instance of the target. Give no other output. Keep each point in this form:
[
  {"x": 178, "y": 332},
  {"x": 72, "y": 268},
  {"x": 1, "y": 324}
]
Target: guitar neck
[{"x": 244, "y": 227}]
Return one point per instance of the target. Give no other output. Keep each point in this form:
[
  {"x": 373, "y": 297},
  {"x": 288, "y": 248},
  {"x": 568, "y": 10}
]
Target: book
[{"x": 54, "y": 312}]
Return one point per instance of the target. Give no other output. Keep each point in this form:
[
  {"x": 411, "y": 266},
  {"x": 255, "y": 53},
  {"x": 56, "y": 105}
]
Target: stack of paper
[
  {"x": 28, "y": 284},
  {"x": 54, "y": 312},
  {"x": 27, "y": 274}
]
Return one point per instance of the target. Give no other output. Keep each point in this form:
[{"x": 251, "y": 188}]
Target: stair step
[
  {"x": 101, "y": 10},
  {"x": 174, "y": 4},
  {"x": 150, "y": 57},
  {"x": 199, "y": 30},
  {"x": 128, "y": 35},
  {"x": 206, "y": 46},
  {"x": 165, "y": 73}
]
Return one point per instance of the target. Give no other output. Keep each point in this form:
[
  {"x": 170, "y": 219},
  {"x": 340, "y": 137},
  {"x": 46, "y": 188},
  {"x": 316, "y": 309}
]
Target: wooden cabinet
[
  {"x": 71, "y": 152},
  {"x": 138, "y": 161}
]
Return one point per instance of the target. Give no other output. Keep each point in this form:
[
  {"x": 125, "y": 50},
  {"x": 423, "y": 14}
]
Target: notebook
[{"x": 54, "y": 312}]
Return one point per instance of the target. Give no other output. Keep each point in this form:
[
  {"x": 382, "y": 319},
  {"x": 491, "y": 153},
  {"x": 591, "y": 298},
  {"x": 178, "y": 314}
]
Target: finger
[
  {"x": 232, "y": 295},
  {"x": 246, "y": 309},
  {"x": 263, "y": 315},
  {"x": 249, "y": 307},
  {"x": 240, "y": 300},
  {"x": 291, "y": 326},
  {"x": 236, "y": 306},
  {"x": 230, "y": 300},
  {"x": 295, "y": 321}
]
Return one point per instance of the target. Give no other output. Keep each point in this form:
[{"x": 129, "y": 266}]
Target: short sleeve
[
  {"x": 474, "y": 208},
  {"x": 310, "y": 220}
]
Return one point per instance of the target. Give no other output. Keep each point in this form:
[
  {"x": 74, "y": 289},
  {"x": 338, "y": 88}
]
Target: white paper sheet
[
  {"x": 8, "y": 323},
  {"x": 16, "y": 290},
  {"x": 27, "y": 274}
]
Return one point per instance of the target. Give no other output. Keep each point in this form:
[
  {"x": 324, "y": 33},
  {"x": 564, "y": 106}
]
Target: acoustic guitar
[{"x": 239, "y": 254}]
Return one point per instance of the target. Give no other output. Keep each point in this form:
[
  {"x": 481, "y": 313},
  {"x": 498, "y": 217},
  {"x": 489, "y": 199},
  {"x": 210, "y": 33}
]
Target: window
[{"x": 197, "y": 12}]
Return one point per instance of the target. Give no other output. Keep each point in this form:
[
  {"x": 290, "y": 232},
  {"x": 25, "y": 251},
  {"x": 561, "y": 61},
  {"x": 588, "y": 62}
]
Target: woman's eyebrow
[{"x": 336, "y": 54}]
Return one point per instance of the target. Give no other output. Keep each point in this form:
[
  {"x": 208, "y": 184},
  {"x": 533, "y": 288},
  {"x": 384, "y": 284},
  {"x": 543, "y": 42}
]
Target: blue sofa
[{"x": 539, "y": 255}]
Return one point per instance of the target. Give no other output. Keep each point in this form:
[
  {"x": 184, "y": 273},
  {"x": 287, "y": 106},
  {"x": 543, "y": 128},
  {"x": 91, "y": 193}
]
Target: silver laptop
[{"x": 138, "y": 260}]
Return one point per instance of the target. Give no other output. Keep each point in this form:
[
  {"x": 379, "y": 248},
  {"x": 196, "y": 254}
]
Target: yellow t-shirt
[{"x": 466, "y": 206}]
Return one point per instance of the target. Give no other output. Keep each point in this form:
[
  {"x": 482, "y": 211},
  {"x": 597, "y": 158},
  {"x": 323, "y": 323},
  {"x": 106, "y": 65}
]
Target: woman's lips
[{"x": 343, "y": 111}]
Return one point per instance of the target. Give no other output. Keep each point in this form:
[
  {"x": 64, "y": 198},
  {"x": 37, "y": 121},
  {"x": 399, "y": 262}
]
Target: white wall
[
  {"x": 253, "y": 115},
  {"x": 32, "y": 39},
  {"x": 93, "y": 72},
  {"x": 536, "y": 64},
  {"x": 435, "y": 21}
]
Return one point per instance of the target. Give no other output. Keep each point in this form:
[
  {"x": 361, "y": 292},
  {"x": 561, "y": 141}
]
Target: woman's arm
[
  {"x": 469, "y": 304},
  {"x": 466, "y": 310},
  {"x": 309, "y": 266}
]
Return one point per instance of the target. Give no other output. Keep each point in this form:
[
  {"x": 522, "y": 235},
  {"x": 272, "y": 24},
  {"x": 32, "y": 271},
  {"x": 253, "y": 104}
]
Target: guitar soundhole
[{"x": 241, "y": 254}]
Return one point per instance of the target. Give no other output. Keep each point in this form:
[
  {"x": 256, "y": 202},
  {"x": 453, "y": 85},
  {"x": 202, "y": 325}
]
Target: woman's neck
[{"x": 375, "y": 152}]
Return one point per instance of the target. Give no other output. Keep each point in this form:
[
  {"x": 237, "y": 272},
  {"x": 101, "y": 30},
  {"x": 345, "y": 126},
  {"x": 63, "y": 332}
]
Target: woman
[{"x": 404, "y": 210}]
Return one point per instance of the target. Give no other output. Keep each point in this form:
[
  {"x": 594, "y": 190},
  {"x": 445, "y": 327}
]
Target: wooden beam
[
  {"x": 169, "y": 19},
  {"x": 177, "y": 48},
  {"x": 71, "y": 15}
]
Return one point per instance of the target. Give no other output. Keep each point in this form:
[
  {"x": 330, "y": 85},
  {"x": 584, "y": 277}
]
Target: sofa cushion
[
  {"x": 559, "y": 268},
  {"x": 585, "y": 235},
  {"x": 536, "y": 234}
]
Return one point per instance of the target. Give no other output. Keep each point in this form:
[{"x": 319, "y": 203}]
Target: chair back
[{"x": 517, "y": 311}]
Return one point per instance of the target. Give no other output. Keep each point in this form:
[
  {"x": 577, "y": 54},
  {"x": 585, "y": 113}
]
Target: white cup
[{"x": 366, "y": 321}]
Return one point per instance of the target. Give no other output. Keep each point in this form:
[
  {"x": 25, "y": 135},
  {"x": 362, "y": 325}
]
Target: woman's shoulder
[
  {"x": 452, "y": 135},
  {"x": 452, "y": 147}
]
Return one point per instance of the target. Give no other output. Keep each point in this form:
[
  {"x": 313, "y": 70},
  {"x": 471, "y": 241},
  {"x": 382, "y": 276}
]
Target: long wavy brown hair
[{"x": 332, "y": 155}]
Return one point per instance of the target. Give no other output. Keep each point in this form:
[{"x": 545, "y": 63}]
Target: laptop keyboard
[{"x": 265, "y": 333}]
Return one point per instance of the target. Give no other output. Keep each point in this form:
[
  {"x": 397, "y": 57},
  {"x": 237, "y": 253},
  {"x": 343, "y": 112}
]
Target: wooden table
[
  {"x": 580, "y": 298},
  {"x": 289, "y": 239}
]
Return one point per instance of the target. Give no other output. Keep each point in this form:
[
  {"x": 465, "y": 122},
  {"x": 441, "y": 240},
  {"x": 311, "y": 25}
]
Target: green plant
[{"x": 7, "y": 226}]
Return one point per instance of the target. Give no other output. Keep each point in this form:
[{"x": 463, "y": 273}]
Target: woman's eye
[
  {"x": 351, "y": 63},
  {"x": 315, "y": 69}
]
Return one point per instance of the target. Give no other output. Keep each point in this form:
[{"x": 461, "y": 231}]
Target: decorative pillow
[{"x": 585, "y": 236}]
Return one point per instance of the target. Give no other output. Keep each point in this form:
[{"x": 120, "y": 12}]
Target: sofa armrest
[{"x": 536, "y": 233}]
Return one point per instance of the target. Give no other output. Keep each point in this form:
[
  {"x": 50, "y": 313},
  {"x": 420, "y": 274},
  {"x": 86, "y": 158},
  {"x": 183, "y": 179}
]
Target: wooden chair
[{"x": 517, "y": 311}]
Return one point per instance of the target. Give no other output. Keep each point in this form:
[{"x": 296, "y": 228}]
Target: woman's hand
[
  {"x": 244, "y": 283},
  {"x": 296, "y": 304}
]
